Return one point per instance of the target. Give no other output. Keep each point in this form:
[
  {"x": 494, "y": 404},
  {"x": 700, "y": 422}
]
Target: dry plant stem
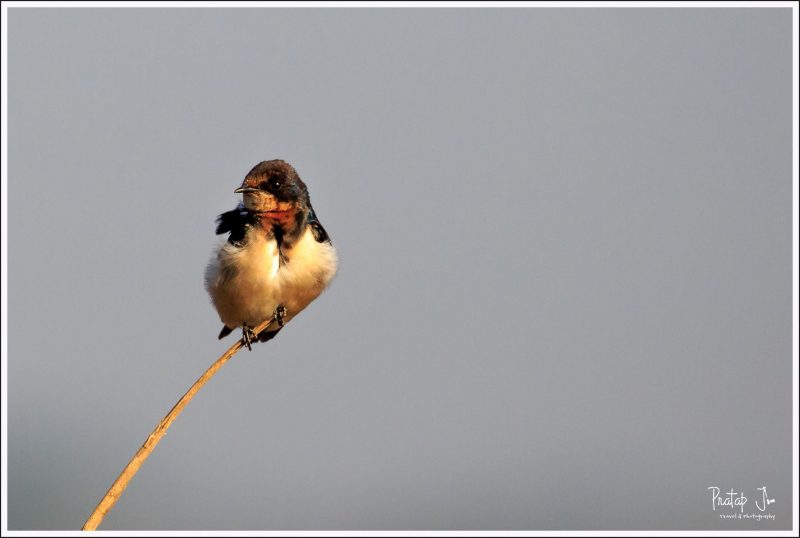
[{"x": 127, "y": 473}]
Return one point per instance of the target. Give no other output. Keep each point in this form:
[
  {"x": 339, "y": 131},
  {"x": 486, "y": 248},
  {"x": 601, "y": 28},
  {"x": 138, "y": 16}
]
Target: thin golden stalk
[{"x": 127, "y": 473}]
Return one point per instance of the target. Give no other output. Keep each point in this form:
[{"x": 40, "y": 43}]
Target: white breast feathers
[{"x": 248, "y": 283}]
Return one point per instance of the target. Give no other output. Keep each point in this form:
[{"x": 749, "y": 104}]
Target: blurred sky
[{"x": 564, "y": 299}]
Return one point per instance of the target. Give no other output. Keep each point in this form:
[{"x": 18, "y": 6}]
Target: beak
[{"x": 245, "y": 189}]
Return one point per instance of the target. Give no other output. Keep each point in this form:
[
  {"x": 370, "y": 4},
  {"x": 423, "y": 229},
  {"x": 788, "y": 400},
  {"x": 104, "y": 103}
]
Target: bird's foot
[
  {"x": 248, "y": 336},
  {"x": 279, "y": 315}
]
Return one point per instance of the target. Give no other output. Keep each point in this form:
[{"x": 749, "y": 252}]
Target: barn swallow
[{"x": 278, "y": 257}]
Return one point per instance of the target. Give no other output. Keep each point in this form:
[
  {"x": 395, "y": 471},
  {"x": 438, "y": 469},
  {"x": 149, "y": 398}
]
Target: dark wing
[
  {"x": 319, "y": 232},
  {"x": 234, "y": 222}
]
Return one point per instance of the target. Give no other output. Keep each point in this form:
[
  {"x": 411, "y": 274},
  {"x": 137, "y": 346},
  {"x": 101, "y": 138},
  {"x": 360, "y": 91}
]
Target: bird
[{"x": 277, "y": 258}]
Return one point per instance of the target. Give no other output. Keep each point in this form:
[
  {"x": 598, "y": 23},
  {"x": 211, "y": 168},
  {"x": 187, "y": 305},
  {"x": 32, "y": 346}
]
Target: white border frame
[{"x": 390, "y": 4}]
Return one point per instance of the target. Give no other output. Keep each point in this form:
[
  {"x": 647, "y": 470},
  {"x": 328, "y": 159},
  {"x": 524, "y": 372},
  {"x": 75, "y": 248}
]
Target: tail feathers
[
  {"x": 266, "y": 336},
  {"x": 224, "y": 332}
]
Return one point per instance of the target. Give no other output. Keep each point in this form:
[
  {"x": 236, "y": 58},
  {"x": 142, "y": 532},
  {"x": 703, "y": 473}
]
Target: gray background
[{"x": 564, "y": 299}]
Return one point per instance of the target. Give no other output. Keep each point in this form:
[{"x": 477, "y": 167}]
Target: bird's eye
[{"x": 273, "y": 184}]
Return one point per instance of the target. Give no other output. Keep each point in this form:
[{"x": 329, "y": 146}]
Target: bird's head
[{"x": 275, "y": 193}]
